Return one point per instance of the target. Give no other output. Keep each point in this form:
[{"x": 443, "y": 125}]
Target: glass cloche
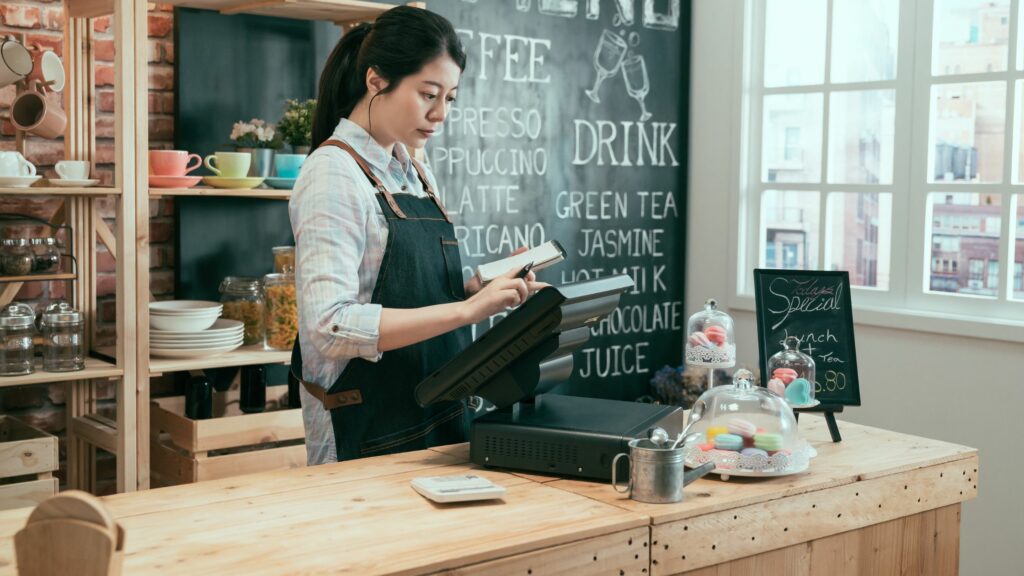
[
  {"x": 791, "y": 374},
  {"x": 710, "y": 341},
  {"x": 745, "y": 430}
]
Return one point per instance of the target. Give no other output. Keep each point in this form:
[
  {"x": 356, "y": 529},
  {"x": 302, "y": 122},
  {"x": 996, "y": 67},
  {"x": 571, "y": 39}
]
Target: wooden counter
[{"x": 878, "y": 503}]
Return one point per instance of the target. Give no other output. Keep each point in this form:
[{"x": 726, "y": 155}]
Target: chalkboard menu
[
  {"x": 814, "y": 307},
  {"x": 570, "y": 124}
]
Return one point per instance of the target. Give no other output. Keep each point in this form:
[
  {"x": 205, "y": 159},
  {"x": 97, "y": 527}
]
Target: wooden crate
[
  {"x": 28, "y": 459},
  {"x": 229, "y": 444}
]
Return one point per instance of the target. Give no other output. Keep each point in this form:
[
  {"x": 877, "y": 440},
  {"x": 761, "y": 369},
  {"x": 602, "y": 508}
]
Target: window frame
[{"x": 910, "y": 239}]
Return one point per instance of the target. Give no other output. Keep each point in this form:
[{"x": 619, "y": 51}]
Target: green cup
[{"x": 229, "y": 164}]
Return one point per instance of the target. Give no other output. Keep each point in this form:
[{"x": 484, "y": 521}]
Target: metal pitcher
[{"x": 656, "y": 475}]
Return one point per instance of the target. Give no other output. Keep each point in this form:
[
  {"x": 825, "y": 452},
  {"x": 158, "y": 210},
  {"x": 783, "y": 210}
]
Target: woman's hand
[
  {"x": 474, "y": 285},
  {"x": 505, "y": 291}
]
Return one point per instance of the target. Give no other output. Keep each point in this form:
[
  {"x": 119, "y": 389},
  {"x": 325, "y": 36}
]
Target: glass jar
[
  {"x": 45, "y": 255},
  {"x": 284, "y": 259},
  {"x": 17, "y": 260},
  {"x": 282, "y": 320},
  {"x": 64, "y": 333},
  {"x": 791, "y": 375},
  {"x": 16, "y": 347},
  {"x": 243, "y": 301},
  {"x": 710, "y": 341}
]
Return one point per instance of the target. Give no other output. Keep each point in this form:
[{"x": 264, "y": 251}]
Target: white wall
[{"x": 964, "y": 390}]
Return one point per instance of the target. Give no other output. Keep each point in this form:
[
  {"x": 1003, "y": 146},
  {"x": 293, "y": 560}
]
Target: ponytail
[{"x": 398, "y": 44}]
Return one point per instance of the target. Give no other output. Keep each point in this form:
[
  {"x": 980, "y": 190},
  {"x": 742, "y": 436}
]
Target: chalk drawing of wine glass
[
  {"x": 607, "y": 58},
  {"x": 634, "y": 70},
  {"x": 523, "y": 5}
]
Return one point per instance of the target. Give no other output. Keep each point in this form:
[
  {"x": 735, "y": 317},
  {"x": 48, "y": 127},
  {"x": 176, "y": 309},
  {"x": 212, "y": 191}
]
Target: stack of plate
[{"x": 190, "y": 328}]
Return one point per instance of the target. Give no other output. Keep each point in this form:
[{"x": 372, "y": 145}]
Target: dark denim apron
[{"x": 373, "y": 410}]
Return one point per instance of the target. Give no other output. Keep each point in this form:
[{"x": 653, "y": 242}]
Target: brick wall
[{"x": 41, "y": 22}]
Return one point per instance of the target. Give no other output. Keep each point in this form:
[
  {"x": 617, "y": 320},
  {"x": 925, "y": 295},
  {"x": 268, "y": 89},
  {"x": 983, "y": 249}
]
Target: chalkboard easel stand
[{"x": 830, "y": 417}]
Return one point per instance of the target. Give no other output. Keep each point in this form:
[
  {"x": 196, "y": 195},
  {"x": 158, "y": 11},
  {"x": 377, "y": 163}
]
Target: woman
[{"x": 380, "y": 293}]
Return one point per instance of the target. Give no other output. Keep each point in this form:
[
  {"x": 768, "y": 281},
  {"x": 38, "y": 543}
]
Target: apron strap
[
  {"x": 369, "y": 174},
  {"x": 329, "y": 401},
  {"x": 429, "y": 188}
]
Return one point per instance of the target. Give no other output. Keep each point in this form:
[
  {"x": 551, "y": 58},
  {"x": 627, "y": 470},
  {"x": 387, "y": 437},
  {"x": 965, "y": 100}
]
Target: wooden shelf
[
  {"x": 61, "y": 191},
  {"x": 266, "y": 193},
  {"x": 94, "y": 368},
  {"x": 39, "y": 277},
  {"x": 244, "y": 356},
  {"x": 339, "y": 11},
  {"x": 97, "y": 430}
]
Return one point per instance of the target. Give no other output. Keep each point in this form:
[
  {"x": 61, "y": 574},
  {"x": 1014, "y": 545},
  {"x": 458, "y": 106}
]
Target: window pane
[
  {"x": 970, "y": 36},
  {"x": 790, "y": 223},
  {"x": 794, "y": 42},
  {"x": 791, "y": 138},
  {"x": 1018, "y": 141},
  {"x": 858, "y": 237},
  {"x": 1018, "y": 250},
  {"x": 861, "y": 132},
  {"x": 966, "y": 132},
  {"x": 864, "y": 40},
  {"x": 964, "y": 243}
]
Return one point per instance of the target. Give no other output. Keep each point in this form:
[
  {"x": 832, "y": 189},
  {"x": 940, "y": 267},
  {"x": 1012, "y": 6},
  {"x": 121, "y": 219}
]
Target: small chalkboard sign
[{"x": 815, "y": 307}]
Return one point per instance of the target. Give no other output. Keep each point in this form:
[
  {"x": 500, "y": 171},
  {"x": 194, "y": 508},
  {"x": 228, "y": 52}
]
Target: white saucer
[
  {"x": 73, "y": 183},
  {"x": 18, "y": 181}
]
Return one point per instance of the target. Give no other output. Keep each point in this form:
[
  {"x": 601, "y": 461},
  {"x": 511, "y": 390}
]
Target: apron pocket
[
  {"x": 453, "y": 266},
  {"x": 392, "y": 442}
]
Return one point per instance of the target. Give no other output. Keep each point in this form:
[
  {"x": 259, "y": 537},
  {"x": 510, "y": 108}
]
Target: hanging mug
[
  {"x": 33, "y": 112},
  {"x": 48, "y": 69},
  {"x": 15, "y": 62}
]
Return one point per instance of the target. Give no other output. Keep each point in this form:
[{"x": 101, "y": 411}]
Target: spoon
[
  {"x": 658, "y": 436},
  {"x": 695, "y": 416}
]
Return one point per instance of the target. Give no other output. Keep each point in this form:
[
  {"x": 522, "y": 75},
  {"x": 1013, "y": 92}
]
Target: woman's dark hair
[{"x": 398, "y": 44}]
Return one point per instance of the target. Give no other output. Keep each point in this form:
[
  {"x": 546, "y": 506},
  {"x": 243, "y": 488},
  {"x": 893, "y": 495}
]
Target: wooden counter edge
[{"x": 726, "y": 535}]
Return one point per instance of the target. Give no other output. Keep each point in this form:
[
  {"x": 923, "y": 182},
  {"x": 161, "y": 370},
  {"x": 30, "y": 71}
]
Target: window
[{"x": 884, "y": 133}]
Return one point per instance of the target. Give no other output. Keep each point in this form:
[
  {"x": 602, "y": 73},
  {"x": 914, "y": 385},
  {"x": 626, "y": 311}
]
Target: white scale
[{"x": 457, "y": 488}]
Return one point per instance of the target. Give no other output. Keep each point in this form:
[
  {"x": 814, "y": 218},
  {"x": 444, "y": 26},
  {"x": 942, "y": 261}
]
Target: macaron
[
  {"x": 787, "y": 375},
  {"x": 768, "y": 442},
  {"x": 700, "y": 339},
  {"x": 798, "y": 392},
  {"x": 753, "y": 452},
  {"x": 707, "y": 447},
  {"x": 716, "y": 334},
  {"x": 715, "y": 431},
  {"x": 728, "y": 442},
  {"x": 741, "y": 427},
  {"x": 778, "y": 386}
]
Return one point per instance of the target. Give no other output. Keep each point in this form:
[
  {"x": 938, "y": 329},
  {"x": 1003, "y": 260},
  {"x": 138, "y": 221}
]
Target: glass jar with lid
[
  {"x": 745, "y": 430},
  {"x": 791, "y": 374},
  {"x": 45, "y": 255},
  {"x": 284, "y": 259},
  {"x": 243, "y": 301},
  {"x": 282, "y": 318},
  {"x": 710, "y": 341},
  {"x": 17, "y": 326},
  {"x": 17, "y": 257},
  {"x": 64, "y": 332}
]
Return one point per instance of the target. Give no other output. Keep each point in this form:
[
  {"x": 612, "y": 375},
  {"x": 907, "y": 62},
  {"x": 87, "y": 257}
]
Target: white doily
[
  {"x": 778, "y": 463},
  {"x": 703, "y": 356}
]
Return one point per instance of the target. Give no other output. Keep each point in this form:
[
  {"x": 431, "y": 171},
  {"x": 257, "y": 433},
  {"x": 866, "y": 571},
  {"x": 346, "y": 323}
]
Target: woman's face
[{"x": 417, "y": 107}]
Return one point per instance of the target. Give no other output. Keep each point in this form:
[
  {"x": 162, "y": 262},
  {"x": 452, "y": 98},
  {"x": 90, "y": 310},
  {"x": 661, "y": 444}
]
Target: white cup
[
  {"x": 73, "y": 169},
  {"x": 15, "y": 62},
  {"x": 14, "y": 164}
]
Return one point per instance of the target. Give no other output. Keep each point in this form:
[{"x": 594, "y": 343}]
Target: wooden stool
[{"x": 70, "y": 533}]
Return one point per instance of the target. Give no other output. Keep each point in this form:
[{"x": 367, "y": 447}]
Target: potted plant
[
  {"x": 296, "y": 126},
  {"x": 260, "y": 139}
]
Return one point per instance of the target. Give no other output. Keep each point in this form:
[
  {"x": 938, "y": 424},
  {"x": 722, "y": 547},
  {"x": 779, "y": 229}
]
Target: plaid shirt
[{"x": 340, "y": 236}]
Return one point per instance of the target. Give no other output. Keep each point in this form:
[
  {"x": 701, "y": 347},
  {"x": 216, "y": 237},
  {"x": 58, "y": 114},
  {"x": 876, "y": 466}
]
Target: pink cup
[{"x": 172, "y": 162}]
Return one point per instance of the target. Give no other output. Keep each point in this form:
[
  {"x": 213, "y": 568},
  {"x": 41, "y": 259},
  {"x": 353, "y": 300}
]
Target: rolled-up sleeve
[{"x": 330, "y": 221}]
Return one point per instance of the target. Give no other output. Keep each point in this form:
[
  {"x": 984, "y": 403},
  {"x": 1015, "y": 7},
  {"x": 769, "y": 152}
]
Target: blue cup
[{"x": 288, "y": 165}]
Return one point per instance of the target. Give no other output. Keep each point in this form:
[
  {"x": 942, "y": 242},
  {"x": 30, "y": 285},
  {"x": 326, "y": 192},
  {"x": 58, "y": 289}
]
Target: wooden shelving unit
[
  {"x": 95, "y": 369},
  {"x": 338, "y": 11},
  {"x": 61, "y": 191},
  {"x": 38, "y": 277},
  {"x": 244, "y": 356}
]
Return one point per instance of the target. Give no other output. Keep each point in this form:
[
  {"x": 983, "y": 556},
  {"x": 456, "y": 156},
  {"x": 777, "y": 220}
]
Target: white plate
[
  {"x": 813, "y": 403},
  {"x": 18, "y": 181},
  {"x": 69, "y": 183},
  {"x": 741, "y": 473},
  {"x": 212, "y": 312},
  {"x": 184, "y": 306},
  {"x": 191, "y": 353},
  {"x": 222, "y": 327},
  {"x": 198, "y": 344}
]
